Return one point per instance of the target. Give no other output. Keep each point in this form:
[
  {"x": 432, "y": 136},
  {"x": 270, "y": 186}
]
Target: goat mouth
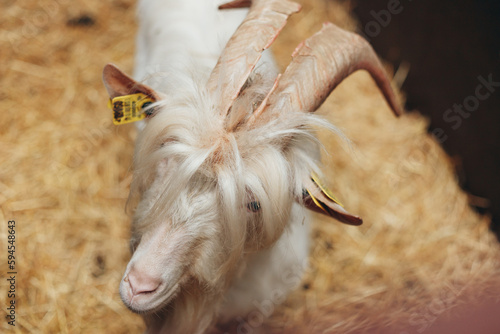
[{"x": 152, "y": 301}]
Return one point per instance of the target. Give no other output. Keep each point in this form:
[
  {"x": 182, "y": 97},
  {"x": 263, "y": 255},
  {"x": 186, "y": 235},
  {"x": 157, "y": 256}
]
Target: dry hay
[{"x": 66, "y": 171}]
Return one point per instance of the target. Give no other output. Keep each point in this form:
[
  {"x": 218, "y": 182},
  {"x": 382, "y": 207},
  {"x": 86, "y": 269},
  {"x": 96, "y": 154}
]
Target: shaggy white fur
[
  {"x": 219, "y": 229},
  {"x": 193, "y": 183}
]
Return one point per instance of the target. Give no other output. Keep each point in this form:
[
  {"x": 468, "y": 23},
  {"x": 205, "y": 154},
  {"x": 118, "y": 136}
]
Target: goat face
[{"x": 208, "y": 192}]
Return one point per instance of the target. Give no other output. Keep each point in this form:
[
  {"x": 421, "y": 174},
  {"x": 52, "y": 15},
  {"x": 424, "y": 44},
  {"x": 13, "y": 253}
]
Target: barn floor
[{"x": 66, "y": 171}]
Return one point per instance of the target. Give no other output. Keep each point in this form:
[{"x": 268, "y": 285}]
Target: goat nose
[{"x": 141, "y": 282}]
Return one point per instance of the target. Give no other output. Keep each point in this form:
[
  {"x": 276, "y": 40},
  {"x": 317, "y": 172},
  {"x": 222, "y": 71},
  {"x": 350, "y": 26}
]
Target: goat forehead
[
  {"x": 201, "y": 152},
  {"x": 178, "y": 190}
]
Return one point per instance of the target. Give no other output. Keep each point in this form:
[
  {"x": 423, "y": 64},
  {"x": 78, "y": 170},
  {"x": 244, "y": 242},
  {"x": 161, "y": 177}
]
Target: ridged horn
[
  {"x": 318, "y": 65},
  {"x": 260, "y": 28}
]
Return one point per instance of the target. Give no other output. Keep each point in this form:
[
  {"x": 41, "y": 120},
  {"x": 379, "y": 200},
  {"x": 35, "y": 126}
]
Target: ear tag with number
[
  {"x": 128, "y": 108},
  {"x": 318, "y": 198},
  {"x": 327, "y": 192}
]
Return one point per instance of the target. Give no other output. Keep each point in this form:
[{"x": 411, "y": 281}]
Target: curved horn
[
  {"x": 260, "y": 28},
  {"x": 319, "y": 64}
]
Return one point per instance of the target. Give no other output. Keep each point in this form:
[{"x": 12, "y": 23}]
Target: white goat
[{"x": 222, "y": 168}]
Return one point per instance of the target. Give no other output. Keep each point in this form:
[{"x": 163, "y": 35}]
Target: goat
[{"x": 226, "y": 163}]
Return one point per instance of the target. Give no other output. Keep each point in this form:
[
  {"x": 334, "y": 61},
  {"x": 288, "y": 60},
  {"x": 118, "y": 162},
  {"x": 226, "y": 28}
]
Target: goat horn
[
  {"x": 260, "y": 28},
  {"x": 318, "y": 65}
]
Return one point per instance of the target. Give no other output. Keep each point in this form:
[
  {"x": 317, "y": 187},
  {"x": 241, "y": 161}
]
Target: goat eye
[{"x": 253, "y": 206}]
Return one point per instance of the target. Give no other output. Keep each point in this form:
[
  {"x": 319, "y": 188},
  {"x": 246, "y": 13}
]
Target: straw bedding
[{"x": 66, "y": 172}]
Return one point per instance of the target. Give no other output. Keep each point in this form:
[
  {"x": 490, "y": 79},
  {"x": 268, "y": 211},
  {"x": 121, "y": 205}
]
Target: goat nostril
[{"x": 141, "y": 283}]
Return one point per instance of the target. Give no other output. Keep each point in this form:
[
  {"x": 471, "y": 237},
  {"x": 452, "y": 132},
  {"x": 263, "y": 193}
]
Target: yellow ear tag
[
  {"x": 324, "y": 190},
  {"x": 128, "y": 108},
  {"x": 315, "y": 200}
]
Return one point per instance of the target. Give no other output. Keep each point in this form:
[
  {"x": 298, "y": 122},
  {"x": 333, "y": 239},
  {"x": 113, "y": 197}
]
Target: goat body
[
  {"x": 181, "y": 34},
  {"x": 222, "y": 165}
]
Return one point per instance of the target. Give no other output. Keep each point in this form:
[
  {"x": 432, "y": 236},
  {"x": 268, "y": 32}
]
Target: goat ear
[
  {"x": 119, "y": 84},
  {"x": 317, "y": 198},
  {"x": 236, "y": 4}
]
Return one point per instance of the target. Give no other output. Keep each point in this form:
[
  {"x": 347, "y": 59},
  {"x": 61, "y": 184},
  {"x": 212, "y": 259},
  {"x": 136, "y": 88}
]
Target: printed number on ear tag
[
  {"x": 324, "y": 190},
  {"x": 128, "y": 108}
]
